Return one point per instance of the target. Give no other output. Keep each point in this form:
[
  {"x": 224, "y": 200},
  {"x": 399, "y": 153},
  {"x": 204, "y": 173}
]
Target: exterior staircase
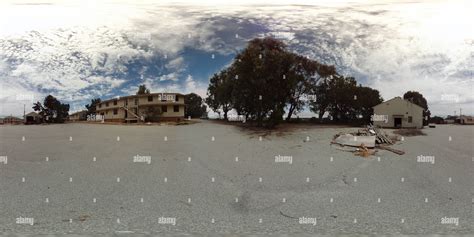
[{"x": 132, "y": 113}]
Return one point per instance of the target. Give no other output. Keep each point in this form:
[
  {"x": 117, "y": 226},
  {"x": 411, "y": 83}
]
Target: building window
[
  {"x": 100, "y": 105},
  {"x": 115, "y": 102},
  {"x": 106, "y": 112},
  {"x": 136, "y": 101},
  {"x": 164, "y": 108},
  {"x": 150, "y": 98},
  {"x": 115, "y": 111},
  {"x": 106, "y": 104},
  {"x": 176, "y": 98},
  {"x": 176, "y": 108},
  {"x": 410, "y": 119}
]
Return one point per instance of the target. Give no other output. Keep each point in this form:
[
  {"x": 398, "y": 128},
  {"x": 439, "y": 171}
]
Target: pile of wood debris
[
  {"x": 380, "y": 136},
  {"x": 364, "y": 141}
]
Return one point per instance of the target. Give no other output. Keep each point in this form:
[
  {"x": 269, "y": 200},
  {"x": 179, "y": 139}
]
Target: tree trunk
[
  {"x": 290, "y": 112},
  {"x": 259, "y": 119},
  {"x": 225, "y": 109},
  {"x": 320, "y": 115},
  {"x": 225, "y": 113}
]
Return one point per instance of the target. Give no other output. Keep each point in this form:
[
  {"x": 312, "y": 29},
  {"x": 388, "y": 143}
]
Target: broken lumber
[{"x": 399, "y": 152}]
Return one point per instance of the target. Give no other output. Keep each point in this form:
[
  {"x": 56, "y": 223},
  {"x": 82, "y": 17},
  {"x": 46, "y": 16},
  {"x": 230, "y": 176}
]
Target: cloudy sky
[{"x": 79, "y": 50}]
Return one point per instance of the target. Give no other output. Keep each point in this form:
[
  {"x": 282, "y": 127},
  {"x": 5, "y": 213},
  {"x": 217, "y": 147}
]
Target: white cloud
[
  {"x": 177, "y": 64},
  {"x": 169, "y": 77},
  {"x": 193, "y": 86},
  {"x": 392, "y": 47},
  {"x": 74, "y": 47},
  {"x": 190, "y": 83},
  {"x": 13, "y": 99}
]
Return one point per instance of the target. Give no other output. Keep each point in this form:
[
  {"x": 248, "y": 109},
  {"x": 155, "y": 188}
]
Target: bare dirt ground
[{"x": 210, "y": 177}]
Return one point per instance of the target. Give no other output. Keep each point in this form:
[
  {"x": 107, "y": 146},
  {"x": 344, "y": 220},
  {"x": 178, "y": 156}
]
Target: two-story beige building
[
  {"x": 133, "y": 108},
  {"x": 398, "y": 113}
]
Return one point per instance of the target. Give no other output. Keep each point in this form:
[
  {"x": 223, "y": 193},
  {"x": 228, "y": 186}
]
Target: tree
[
  {"x": 344, "y": 100},
  {"x": 265, "y": 79},
  {"x": 92, "y": 106},
  {"x": 142, "y": 90},
  {"x": 303, "y": 77},
  {"x": 337, "y": 96},
  {"x": 418, "y": 99},
  {"x": 52, "y": 110},
  {"x": 194, "y": 106},
  {"x": 40, "y": 109},
  {"x": 342, "y": 94},
  {"x": 298, "y": 79},
  {"x": 260, "y": 90},
  {"x": 366, "y": 99},
  {"x": 213, "y": 103},
  {"x": 323, "y": 98},
  {"x": 219, "y": 92},
  {"x": 437, "y": 120}
]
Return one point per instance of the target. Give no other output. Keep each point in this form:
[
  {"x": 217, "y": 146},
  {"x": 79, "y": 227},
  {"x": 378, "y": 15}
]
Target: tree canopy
[
  {"x": 195, "y": 107},
  {"x": 142, "y": 90},
  {"x": 91, "y": 108},
  {"x": 52, "y": 110},
  {"x": 344, "y": 100},
  {"x": 265, "y": 80},
  {"x": 219, "y": 93}
]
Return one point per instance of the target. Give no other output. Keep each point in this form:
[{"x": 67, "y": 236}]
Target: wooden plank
[{"x": 399, "y": 152}]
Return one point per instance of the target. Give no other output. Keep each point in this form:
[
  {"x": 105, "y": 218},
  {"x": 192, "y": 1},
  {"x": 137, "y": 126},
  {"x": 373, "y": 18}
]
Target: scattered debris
[
  {"x": 399, "y": 152},
  {"x": 380, "y": 136},
  {"x": 364, "y": 151},
  {"x": 364, "y": 141}
]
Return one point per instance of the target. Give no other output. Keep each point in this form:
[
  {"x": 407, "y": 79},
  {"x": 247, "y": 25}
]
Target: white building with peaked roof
[{"x": 398, "y": 113}]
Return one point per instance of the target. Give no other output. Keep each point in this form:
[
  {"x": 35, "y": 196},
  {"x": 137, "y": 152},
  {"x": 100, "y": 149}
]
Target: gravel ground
[{"x": 194, "y": 180}]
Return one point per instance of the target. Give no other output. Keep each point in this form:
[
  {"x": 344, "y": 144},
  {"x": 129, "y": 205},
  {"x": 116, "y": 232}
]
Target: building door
[
  {"x": 126, "y": 113},
  {"x": 397, "y": 122}
]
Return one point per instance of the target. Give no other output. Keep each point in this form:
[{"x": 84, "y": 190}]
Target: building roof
[
  {"x": 12, "y": 117},
  {"x": 33, "y": 114},
  {"x": 142, "y": 95},
  {"x": 399, "y": 98}
]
